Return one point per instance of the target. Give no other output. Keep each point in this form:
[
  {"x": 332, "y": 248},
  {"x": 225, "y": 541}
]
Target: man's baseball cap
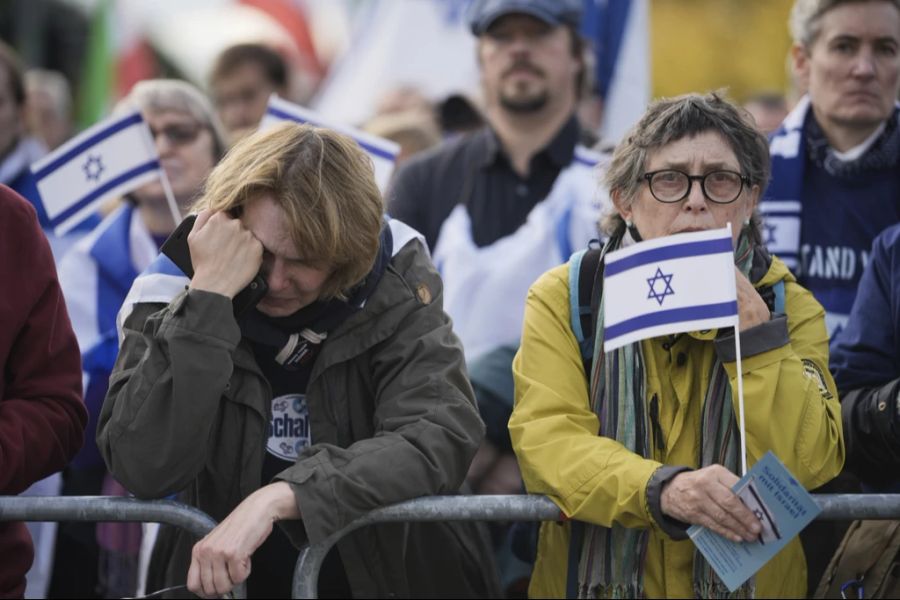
[{"x": 483, "y": 13}]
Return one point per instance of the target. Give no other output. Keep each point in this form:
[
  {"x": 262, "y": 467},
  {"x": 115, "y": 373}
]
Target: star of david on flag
[
  {"x": 666, "y": 284},
  {"x": 683, "y": 282},
  {"x": 382, "y": 152},
  {"x": 109, "y": 159}
]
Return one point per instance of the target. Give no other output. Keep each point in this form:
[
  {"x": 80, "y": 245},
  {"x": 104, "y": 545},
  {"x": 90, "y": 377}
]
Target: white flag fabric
[
  {"x": 109, "y": 159},
  {"x": 383, "y": 152},
  {"x": 682, "y": 282},
  {"x": 425, "y": 44}
]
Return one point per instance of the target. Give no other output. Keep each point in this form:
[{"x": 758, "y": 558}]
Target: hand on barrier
[
  {"x": 221, "y": 560},
  {"x": 704, "y": 497}
]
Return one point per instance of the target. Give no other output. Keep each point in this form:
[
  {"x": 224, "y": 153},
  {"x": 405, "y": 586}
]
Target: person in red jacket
[{"x": 42, "y": 415}]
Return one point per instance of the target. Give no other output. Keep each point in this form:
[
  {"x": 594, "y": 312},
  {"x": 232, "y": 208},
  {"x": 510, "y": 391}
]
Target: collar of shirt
[{"x": 559, "y": 151}]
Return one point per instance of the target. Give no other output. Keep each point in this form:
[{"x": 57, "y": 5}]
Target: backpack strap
[
  {"x": 585, "y": 289},
  {"x": 585, "y": 277},
  {"x": 778, "y": 288}
]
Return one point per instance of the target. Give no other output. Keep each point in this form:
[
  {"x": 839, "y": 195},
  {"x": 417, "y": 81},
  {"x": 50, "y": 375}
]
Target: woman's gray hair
[
  {"x": 806, "y": 16},
  {"x": 161, "y": 95},
  {"x": 671, "y": 119}
]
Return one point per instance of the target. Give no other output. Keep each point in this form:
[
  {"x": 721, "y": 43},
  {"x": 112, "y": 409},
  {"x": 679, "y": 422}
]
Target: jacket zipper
[{"x": 660, "y": 441}]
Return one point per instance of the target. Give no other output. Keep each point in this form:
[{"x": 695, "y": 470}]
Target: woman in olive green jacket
[
  {"x": 638, "y": 479},
  {"x": 366, "y": 404}
]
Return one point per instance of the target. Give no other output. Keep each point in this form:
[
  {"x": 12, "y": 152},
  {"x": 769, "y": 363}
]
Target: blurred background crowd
[{"x": 406, "y": 69}]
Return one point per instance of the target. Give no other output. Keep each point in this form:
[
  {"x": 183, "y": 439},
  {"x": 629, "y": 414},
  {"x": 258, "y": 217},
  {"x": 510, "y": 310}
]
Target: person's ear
[
  {"x": 754, "y": 192},
  {"x": 800, "y": 60},
  {"x": 623, "y": 207}
]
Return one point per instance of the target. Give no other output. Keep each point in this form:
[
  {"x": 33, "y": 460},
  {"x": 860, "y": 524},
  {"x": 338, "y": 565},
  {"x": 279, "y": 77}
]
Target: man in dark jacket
[
  {"x": 505, "y": 203},
  {"x": 42, "y": 416},
  {"x": 343, "y": 390}
]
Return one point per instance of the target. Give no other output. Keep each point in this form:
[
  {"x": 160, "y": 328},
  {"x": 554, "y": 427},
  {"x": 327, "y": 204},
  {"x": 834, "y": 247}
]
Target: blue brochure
[{"x": 784, "y": 508}]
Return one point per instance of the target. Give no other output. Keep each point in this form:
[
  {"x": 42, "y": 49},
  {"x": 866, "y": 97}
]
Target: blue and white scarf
[{"x": 782, "y": 205}]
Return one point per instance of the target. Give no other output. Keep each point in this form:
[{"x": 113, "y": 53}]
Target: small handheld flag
[
  {"x": 109, "y": 159},
  {"x": 382, "y": 152},
  {"x": 682, "y": 282}
]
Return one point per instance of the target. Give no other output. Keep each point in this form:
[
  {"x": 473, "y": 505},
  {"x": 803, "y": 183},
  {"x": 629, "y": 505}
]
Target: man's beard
[{"x": 528, "y": 104}]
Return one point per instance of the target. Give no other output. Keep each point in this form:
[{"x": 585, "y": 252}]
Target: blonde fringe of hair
[{"x": 325, "y": 184}]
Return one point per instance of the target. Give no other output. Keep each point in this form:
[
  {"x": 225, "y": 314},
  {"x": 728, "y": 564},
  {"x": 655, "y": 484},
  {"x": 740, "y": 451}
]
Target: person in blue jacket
[{"x": 865, "y": 361}]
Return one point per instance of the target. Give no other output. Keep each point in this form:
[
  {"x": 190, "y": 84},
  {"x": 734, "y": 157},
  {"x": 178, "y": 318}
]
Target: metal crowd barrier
[
  {"x": 109, "y": 508},
  {"x": 835, "y": 507},
  {"x": 435, "y": 508}
]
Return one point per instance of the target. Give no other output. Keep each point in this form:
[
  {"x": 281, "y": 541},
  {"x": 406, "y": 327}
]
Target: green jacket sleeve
[
  {"x": 164, "y": 393},
  {"x": 553, "y": 429}
]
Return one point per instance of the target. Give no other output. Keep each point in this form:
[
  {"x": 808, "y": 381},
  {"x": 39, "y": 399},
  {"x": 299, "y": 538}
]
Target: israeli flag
[
  {"x": 383, "y": 152},
  {"x": 109, "y": 159},
  {"x": 683, "y": 282}
]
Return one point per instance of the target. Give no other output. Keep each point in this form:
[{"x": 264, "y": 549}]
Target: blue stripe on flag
[
  {"x": 152, "y": 165},
  {"x": 91, "y": 141},
  {"x": 702, "y": 248},
  {"x": 673, "y": 315},
  {"x": 585, "y": 161},
  {"x": 276, "y": 112},
  {"x": 604, "y": 24}
]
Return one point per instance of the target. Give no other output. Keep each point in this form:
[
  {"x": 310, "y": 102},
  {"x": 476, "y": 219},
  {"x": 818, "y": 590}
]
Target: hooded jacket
[
  {"x": 391, "y": 414},
  {"x": 791, "y": 409}
]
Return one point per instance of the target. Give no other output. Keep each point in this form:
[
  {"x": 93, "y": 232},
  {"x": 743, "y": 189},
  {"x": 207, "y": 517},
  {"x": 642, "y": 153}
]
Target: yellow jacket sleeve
[
  {"x": 790, "y": 399},
  {"x": 553, "y": 429}
]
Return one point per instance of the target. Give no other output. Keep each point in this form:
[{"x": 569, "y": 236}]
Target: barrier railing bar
[
  {"x": 109, "y": 508},
  {"x": 435, "y": 508},
  {"x": 846, "y": 507},
  {"x": 105, "y": 508},
  {"x": 835, "y": 507}
]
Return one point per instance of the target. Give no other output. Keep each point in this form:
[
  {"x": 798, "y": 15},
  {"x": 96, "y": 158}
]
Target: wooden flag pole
[
  {"x": 170, "y": 197},
  {"x": 740, "y": 381},
  {"x": 163, "y": 178}
]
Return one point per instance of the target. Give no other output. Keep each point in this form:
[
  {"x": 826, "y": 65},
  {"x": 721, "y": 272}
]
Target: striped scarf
[
  {"x": 612, "y": 559},
  {"x": 782, "y": 205}
]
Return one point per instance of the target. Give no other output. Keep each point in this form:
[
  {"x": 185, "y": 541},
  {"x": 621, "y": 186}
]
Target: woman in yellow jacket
[{"x": 665, "y": 453}]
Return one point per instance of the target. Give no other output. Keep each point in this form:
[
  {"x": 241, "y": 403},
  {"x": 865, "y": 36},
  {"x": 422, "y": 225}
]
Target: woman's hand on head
[
  {"x": 226, "y": 256},
  {"x": 704, "y": 497}
]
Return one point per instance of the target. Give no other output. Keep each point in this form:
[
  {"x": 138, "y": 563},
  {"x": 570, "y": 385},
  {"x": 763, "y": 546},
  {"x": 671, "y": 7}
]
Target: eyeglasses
[
  {"x": 178, "y": 134},
  {"x": 671, "y": 185}
]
